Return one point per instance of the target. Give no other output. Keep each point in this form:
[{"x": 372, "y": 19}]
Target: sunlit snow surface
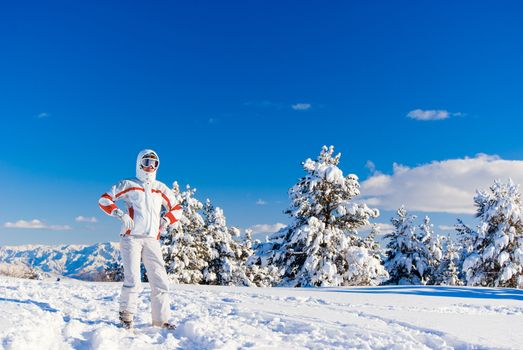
[{"x": 82, "y": 315}]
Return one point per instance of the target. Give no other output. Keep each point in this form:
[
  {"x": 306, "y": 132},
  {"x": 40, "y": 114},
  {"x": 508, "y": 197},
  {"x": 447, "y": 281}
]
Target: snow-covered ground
[{"x": 81, "y": 315}]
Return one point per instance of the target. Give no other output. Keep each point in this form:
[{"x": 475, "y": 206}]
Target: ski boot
[
  {"x": 165, "y": 325},
  {"x": 126, "y": 319}
]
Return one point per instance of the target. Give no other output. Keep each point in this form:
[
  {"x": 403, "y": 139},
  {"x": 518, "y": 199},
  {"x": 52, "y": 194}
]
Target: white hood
[{"x": 143, "y": 175}]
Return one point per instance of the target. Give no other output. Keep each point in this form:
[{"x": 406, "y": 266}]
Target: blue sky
[{"x": 211, "y": 86}]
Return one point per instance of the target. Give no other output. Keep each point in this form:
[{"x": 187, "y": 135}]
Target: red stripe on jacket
[
  {"x": 110, "y": 207},
  {"x": 165, "y": 198},
  {"x": 129, "y": 189},
  {"x": 131, "y": 214},
  {"x": 170, "y": 214}
]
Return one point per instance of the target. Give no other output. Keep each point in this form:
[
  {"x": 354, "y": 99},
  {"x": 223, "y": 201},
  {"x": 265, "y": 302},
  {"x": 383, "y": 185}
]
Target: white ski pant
[{"x": 133, "y": 249}]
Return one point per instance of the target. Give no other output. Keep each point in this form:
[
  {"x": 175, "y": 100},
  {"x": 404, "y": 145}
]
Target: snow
[{"x": 74, "y": 314}]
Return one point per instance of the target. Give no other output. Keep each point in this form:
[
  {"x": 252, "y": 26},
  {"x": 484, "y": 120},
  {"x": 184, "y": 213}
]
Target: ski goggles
[{"x": 149, "y": 163}]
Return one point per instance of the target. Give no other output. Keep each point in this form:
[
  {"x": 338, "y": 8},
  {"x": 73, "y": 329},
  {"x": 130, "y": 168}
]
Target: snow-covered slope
[
  {"x": 77, "y": 261},
  {"x": 81, "y": 315}
]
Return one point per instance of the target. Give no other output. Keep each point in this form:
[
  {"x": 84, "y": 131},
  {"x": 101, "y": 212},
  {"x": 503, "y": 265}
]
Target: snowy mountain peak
[{"x": 86, "y": 262}]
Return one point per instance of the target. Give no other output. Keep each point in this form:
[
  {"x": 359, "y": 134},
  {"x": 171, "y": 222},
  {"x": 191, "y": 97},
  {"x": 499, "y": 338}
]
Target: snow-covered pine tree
[
  {"x": 465, "y": 237},
  {"x": 496, "y": 259},
  {"x": 226, "y": 264},
  {"x": 113, "y": 272},
  {"x": 408, "y": 255},
  {"x": 448, "y": 273},
  {"x": 321, "y": 247},
  {"x": 399, "y": 262},
  {"x": 247, "y": 239},
  {"x": 371, "y": 244},
  {"x": 185, "y": 251},
  {"x": 430, "y": 250},
  {"x": 261, "y": 275},
  {"x": 366, "y": 260}
]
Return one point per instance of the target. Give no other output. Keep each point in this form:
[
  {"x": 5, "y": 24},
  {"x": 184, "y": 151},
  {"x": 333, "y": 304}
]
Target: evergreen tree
[
  {"x": 430, "y": 251},
  {"x": 319, "y": 247},
  {"x": 496, "y": 251},
  {"x": 201, "y": 249},
  {"x": 448, "y": 270},
  {"x": 226, "y": 265},
  {"x": 409, "y": 258},
  {"x": 466, "y": 246},
  {"x": 372, "y": 245},
  {"x": 399, "y": 261},
  {"x": 113, "y": 272},
  {"x": 365, "y": 261},
  {"x": 185, "y": 250},
  {"x": 261, "y": 275}
]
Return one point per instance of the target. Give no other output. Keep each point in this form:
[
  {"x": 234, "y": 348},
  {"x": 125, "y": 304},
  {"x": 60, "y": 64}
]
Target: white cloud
[
  {"x": 86, "y": 219},
  {"x": 301, "y": 106},
  {"x": 383, "y": 226},
  {"x": 432, "y": 114},
  {"x": 266, "y": 228},
  {"x": 43, "y": 115},
  {"x": 36, "y": 224},
  {"x": 25, "y": 224},
  {"x": 371, "y": 166},
  {"x": 261, "y": 202},
  {"x": 447, "y": 228},
  {"x": 441, "y": 186}
]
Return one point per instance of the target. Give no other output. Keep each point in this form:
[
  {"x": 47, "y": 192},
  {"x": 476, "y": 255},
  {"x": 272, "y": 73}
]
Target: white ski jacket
[{"x": 144, "y": 197}]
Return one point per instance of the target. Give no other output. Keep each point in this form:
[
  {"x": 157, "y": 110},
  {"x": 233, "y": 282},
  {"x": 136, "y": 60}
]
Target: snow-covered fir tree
[
  {"x": 202, "y": 249},
  {"x": 185, "y": 250},
  {"x": 371, "y": 244},
  {"x": 431, "y": 250},
  {"x": 260, "y": 274},
  {"x": 409, "y": 258},
  {"x": 447, "y": 272},
  {"x": 226, "y": 263},
  {"x": 113, "y": 272},
  {"x": 366, "y": 260},
  {"x": 496, "y": 258},
  {"x": 399, "y": 248},
  {"x": 465, "y": 236},
  {"x": 321, "y": 247}
]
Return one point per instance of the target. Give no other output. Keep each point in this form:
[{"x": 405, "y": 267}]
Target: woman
[{"x": 141, "y": 228}]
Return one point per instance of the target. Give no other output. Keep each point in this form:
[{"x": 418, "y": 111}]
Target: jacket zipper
[{"x": 147, "y": 187}]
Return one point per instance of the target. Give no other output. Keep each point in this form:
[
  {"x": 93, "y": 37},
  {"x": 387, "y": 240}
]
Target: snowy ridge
[
  {"x": 84, "y": 262},
  {"x": 82, "y": 315}
]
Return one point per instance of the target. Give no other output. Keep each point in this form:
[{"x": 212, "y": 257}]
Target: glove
[
  {"x": 128, "y": 223},
  {"x": 164, "y": 224}
]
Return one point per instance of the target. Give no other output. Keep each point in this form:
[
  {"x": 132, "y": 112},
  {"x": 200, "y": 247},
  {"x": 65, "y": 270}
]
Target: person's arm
[
  {"x": 108, "y": 205},
  {"x": 108, "y": 199},
  {"x": 174, "y": 210}
]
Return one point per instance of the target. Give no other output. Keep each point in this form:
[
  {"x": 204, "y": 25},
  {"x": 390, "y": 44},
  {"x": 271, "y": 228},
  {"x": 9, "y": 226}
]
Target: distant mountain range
[{"x": 85, "y": 262}]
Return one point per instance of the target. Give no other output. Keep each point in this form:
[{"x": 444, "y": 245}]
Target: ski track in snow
[{"x": 83, "y": 315}]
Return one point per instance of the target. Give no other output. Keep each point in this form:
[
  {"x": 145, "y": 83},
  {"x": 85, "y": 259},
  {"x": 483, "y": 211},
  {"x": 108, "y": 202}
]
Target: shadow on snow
[
  {"x": 46, "y": 307},
  {"x": 436, "y": 291},
  {"x": 41, "y": 305}
]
